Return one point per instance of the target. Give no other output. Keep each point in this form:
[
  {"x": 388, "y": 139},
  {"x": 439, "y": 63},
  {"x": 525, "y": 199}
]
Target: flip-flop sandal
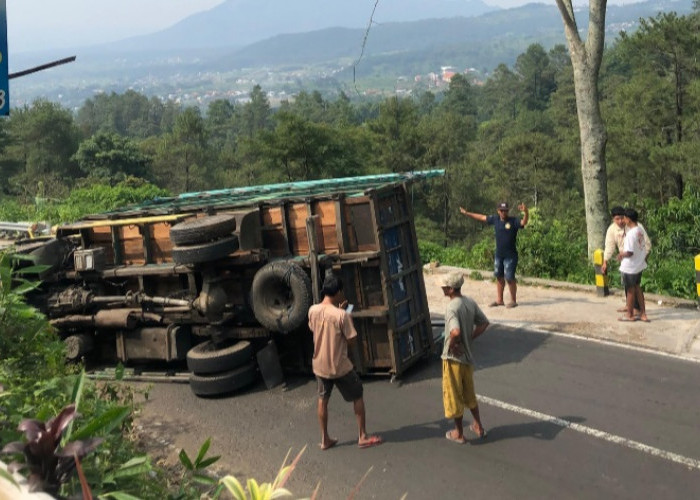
[
  {"x": 511, "y": 305},
  {"x": 626, "y": 319},
  {"x": 496, "y": 304},
  {"x": 644, "y": 320},
  {"x": 480, "y": 436},
  {"x": 449, "y": 437},
  {"x": 371, "y": 441}
]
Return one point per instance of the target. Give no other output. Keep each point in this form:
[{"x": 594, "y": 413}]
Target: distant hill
[
  {"x": 529, "y": 22},
  {"x": 312, "y": 59},
  {"x": 236, "y": 23},
  {"x": 504, "y": 33}
]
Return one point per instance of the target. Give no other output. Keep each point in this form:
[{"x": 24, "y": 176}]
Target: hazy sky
[{"x": 40, "y": 24}]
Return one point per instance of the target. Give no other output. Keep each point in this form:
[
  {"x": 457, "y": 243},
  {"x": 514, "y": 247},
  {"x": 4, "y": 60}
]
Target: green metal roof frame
[{"x": 253, "y": 195}]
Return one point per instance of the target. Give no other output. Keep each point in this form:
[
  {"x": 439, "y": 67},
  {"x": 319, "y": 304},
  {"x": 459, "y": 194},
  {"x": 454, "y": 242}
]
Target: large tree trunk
[{"x": 585, "y": 59}]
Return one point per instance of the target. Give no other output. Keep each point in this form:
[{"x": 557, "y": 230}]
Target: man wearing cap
[
  {"x": 506, "y": 260},
  {"x": 464, "y": 322}
]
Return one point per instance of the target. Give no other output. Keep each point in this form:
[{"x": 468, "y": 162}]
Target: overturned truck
[{"x": 212, "y": 278}]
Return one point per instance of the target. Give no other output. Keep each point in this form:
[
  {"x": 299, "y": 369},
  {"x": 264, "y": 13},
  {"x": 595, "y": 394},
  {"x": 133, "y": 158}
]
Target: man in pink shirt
[{"x": 333, "y": 331}]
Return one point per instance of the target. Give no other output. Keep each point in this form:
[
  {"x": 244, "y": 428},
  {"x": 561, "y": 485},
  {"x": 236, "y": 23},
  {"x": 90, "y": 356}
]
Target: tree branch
[
  {"x": 567, "y": 13},
  {"x": 595, "y": 42}
]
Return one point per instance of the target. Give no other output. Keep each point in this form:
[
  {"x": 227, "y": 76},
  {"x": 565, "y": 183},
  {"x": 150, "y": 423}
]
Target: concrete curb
[
  {"x": 689, "y": 344},
  {"x": 564, "y": 285}
]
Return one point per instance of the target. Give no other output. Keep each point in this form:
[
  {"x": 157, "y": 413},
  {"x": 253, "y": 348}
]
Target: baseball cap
[
  {"x": 502, "y": 206},
  {"x": 453, "y": 280}
]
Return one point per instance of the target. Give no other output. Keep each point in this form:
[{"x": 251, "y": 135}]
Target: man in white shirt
[
  {"x": 633, "y": 262},
  {"x": 615, "y": 240}
]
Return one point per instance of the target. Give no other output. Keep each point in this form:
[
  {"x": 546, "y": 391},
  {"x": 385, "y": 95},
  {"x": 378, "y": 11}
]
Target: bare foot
[
  {"x": 328, "y": 444},
  {"x": 478, "y": 430},
  {"x": 644, "y": 318}
]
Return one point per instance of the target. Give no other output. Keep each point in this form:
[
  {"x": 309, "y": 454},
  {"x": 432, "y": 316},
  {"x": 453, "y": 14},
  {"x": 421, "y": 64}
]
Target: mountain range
[
  {"x": 304, "y": 44},
  {"x": 237, "y": 23}
]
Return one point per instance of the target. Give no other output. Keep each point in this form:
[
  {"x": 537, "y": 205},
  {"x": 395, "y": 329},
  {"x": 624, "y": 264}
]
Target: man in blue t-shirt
[{"x": 506, "y": 260}]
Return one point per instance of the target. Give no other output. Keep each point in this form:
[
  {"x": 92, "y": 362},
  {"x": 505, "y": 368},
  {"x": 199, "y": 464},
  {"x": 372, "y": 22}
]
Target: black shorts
[
  {"x": 349, "y": 385},
  {"x": 631, "y": 279}
]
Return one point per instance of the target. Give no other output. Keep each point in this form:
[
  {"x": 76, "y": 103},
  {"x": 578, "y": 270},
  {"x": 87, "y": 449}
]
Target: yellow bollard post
[
  {"x": 601, "y": 282},
  {"x": 697, "y": 272}
]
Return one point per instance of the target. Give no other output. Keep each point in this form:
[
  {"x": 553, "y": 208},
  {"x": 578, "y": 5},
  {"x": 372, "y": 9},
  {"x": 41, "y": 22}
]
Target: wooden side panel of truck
[{"x": 124, "y": 287}]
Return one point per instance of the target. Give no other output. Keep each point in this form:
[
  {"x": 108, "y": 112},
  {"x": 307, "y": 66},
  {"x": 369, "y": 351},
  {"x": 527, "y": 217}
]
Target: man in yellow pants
[{"x": 464, "y": 321}]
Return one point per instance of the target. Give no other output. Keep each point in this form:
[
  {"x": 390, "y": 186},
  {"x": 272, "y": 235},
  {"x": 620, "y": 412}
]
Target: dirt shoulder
[{"x": 578, "y": 310}]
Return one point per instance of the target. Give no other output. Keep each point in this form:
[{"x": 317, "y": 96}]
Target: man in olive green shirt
[{"x": 464, "y": 321}]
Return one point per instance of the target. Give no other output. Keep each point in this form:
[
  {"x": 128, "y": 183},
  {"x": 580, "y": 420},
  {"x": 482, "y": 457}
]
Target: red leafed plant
[{"x": 50, "y": 464}]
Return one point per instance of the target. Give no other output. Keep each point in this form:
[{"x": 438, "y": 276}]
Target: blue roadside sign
[{"x": 4, "y": 67}]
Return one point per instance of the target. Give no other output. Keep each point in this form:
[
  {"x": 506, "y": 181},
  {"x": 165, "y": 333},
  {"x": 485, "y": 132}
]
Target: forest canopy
[{"x": 513, "y": 137}]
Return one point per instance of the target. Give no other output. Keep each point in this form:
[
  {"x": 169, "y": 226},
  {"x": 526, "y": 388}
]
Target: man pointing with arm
[{"x": 506, "y": 259}]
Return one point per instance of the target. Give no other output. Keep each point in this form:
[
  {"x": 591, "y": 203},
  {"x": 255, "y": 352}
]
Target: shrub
[{"x": 82, "y": 201}]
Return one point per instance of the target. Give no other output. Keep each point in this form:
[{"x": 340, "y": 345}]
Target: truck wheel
[
  {"x": 208, "y": 357},
  {"x": 281, "y": 294},
  {"x": 223, "y": 383},
  {"x": 205, "y": 252},
  {"x": 203, "y": 229},
  {"x": 77, "y": 345}
]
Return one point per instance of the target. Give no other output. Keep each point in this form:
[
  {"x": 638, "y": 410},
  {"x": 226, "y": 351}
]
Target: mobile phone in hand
[{"x": 349, "y": 308}]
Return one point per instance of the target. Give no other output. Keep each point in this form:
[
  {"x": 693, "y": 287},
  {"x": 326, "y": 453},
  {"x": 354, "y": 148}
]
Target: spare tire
[
  {"x": 224, "y": 383},
  {"x": 205, "y": 252},
  {"x": 209, "y": 357},
  {"x": 203, "y": 229},
  {"x": 281, "y": 294}
]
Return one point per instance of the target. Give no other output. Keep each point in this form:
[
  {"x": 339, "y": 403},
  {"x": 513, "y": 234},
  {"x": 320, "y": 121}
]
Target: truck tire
[
  {"x": 208, "y": 357},
  {"x": 281, "y": 294},
  {"x": 223, "y": 383},
  {"x": 203, "y": 229},
  {"x": 205, "y": 252}
]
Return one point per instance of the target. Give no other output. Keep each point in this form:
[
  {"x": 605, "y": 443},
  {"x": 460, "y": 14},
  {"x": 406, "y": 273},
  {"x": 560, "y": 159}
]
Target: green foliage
[
  {"x": 129, "y": 114},
  {"x": 47, "y": 453},
  {"x": 35, "y": 381},
  {"x": 90, "y": 199},
  {"x": 264, "y": 491},
  {"x": 429, "y": 251},
  {"x": 110, "y": 158},
  {"x": 44, "y": 139},
  {"x": 513, "y": 136},
  {"x": 195, "y": 481},
  {"x": 673, "y": 229},
  {"x": 554, "y": 249},
  {"x": 101, "y": 198},
  {"x": 673, "y": 275},
  {"x": 455, "y": 256},
  {"x": 24, "y": 330},
  {"x": 546, "y": 249}
]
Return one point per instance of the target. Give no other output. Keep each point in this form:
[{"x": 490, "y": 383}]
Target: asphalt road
[{"x": 567, "y": 418}]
